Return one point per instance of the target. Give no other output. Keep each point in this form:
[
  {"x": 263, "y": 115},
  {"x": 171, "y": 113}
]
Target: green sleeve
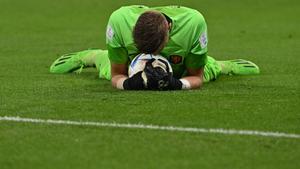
[
  {"x": 200, "y": 38},
  {"x": 113, "y": 35},
  {"x": 196, "y": 61},
  {"x": 117, "y": 55},
  {"x": 116, "y": 51},
  {"x": 197, "y": 57}
]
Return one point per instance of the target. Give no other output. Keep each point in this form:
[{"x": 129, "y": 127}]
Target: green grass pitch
[{"x": 34, "y": 33}]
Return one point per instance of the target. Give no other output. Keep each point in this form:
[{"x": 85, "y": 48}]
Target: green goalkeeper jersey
[{"x": 187, "y": 46}]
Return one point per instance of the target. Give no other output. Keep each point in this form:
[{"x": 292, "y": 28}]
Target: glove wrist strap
[{"x": 186, "y": 85}]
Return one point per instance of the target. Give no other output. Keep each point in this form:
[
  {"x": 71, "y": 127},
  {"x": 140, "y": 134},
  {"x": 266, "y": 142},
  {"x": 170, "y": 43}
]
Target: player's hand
[
  {"x": 155, "y": 78},
  {"x": 135, "y": 82},
  {"x": 174, "y": 84},
  {"x": 151, "y": 78},
  {"x": 169, "y": 82}
]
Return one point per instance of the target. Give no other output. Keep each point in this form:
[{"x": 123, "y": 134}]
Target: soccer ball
[{"x": 139, "y": 62}]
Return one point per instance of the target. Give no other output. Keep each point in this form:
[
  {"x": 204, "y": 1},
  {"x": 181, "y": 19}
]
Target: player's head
[{"x": 151, "y": 32}]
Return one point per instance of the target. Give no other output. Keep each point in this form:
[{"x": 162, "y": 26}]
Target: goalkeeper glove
[{"x": 156, "y": 78}]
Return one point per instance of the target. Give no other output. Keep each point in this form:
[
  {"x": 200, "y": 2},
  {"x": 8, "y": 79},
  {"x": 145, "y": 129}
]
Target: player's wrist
[
  {"x": 120, "y": 83},
  {"x": 186, "y": 85}
]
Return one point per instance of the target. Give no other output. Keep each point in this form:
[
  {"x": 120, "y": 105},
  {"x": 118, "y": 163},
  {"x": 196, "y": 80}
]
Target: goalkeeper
[{"x": 177, "y": 33}]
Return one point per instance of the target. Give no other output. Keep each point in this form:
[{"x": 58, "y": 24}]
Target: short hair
[{"x": 150, "y": 32}]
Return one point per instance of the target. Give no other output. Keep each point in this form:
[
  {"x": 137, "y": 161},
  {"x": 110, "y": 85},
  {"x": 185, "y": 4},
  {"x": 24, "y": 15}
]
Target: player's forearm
[
  {"x": 119, "y": 75},
  {"x": 117, "y": 81},
  {"x": 194, "y": 78}
]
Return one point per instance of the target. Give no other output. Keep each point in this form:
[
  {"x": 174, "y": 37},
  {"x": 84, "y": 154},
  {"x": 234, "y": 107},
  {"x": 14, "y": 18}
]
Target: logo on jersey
[
  {"x": 109, "y": 32},
  {"x": 175, "y": 59},
  {"x": 203, "y": 40}
]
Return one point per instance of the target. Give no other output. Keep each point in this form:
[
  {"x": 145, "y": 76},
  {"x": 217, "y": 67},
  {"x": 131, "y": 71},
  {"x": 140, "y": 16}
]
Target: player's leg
[
  {"x": 74, "y": 61},
  {"x": 215, "y": 68},
  {"x": 88, "y": 58},
  {"x": 211, "y": 70},
  {"x": 238, "y": 67},
  {"x": 102, "y": 63}
]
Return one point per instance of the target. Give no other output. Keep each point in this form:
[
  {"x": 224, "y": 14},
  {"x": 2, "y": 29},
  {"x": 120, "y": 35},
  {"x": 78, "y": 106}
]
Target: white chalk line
[{"x": 154, "y": 127}]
